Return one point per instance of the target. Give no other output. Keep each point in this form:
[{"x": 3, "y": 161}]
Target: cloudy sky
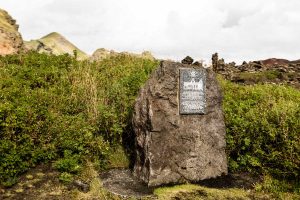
[{"x": 236, "y": 29}]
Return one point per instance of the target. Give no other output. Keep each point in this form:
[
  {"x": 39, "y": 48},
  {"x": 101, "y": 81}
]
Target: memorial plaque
[{"x": 192, "y": 91}]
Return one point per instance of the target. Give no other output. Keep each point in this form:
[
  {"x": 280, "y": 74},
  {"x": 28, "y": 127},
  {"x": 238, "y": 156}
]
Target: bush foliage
[
  {"x": 263, "y": 128},
  {"x": 54, "y": 107}
]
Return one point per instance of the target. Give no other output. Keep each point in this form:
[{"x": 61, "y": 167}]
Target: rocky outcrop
[
  {"x": 219, "y": 66},
  {"x": 274, "y": 61},
  {"x": 273, "y": 70},
  {"x": 102, "y": 53},
  {"x": 172, "y": 147},
  {"x": 190, "y": 61},
  {"x": 10, "y": 39},
  {"x": 56, "y": 44}
]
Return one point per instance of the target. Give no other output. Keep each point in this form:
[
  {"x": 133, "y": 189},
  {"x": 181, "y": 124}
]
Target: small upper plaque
[{"x": 192, "y": 91}]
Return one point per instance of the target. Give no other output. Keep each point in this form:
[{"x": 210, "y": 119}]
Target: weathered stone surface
[
  {"x": 11, "y": 41},
  {"x": 174, "y": 148}
]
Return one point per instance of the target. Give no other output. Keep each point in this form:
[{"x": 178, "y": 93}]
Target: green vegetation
[
  {"x": 265, "y": 76},
  {"x": 69, "y": 163},
  {"x": 74, "y": 113},
  {"x": 259, "y": 77},
  {"x": 196, "y": 192},
  {"x": 56, "y": 108},
  {"x": 262, "y": 126},
  {"x": 281, "y": 189},
  {"x": 66, "y": 177},
  {"x": 118, "y": 158}
]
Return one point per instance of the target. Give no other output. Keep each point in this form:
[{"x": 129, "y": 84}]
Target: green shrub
[
  {"x": 57, "y": 108},
  {"x": 260, "y": 77},
  {"x": 69, "y": 163},
  {"x": 263, "y": 124},
  {"x": 275, "y": 186},
  {"x": 120, "y": 78},
  {"x": 66, "y": 177}
]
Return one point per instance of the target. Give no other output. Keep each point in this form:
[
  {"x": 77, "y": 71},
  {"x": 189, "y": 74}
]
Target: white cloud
[{"x": 237, "y": 29}]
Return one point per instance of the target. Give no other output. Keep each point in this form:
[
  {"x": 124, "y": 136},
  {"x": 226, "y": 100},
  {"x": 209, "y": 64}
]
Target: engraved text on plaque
[{"x": 192, "y": 91}]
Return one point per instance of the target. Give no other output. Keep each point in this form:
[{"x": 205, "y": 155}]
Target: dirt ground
[
  {"x": 38, "y": 183},
  {"x": 42, "y": 183}
]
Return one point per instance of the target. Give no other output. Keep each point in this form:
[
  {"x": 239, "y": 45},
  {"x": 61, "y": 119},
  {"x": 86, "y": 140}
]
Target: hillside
[
  {"x": 56, "y": 44},
  {"x": 272, "y": 70},
  {"x": 277, "y": 61},
  {"x": 10, "y": 39},
  {"x": 103, "y": 53}
]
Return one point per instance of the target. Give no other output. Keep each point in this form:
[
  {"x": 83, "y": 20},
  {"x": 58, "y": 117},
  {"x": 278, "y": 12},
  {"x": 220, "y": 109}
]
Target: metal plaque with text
[{"x": 192, "y": 91}]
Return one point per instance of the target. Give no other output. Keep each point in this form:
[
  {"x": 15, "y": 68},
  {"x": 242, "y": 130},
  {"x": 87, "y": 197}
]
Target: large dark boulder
[{"x": 175, "y": 148}]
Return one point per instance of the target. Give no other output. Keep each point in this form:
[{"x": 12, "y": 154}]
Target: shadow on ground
[
  {"x": 121, "y": 182},
  {"x": 237, "y": 180}
]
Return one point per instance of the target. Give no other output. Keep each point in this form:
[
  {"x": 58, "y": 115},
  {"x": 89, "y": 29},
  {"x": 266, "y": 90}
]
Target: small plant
[
  {"x": 10, "y": 182},
  {"x": 69, "y": 163},
  {"x": 118, "y": 158},
  {"x": 66, "y": 177},
  {"x": 75, "y": 54},
  {"x": 278, "y": 187}
]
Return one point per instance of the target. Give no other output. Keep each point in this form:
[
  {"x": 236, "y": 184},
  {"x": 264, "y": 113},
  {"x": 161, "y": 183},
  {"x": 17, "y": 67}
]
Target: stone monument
[{"x": 179, "y": 126}]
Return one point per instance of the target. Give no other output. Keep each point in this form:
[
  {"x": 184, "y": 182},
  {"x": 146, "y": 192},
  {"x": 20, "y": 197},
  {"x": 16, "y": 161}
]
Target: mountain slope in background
[
  {"x": 10, "y": 39},
  {"x": 102, "y": 53},
  {"x": 277, "y": 61},
  {"x": 54, "y": 43}
]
